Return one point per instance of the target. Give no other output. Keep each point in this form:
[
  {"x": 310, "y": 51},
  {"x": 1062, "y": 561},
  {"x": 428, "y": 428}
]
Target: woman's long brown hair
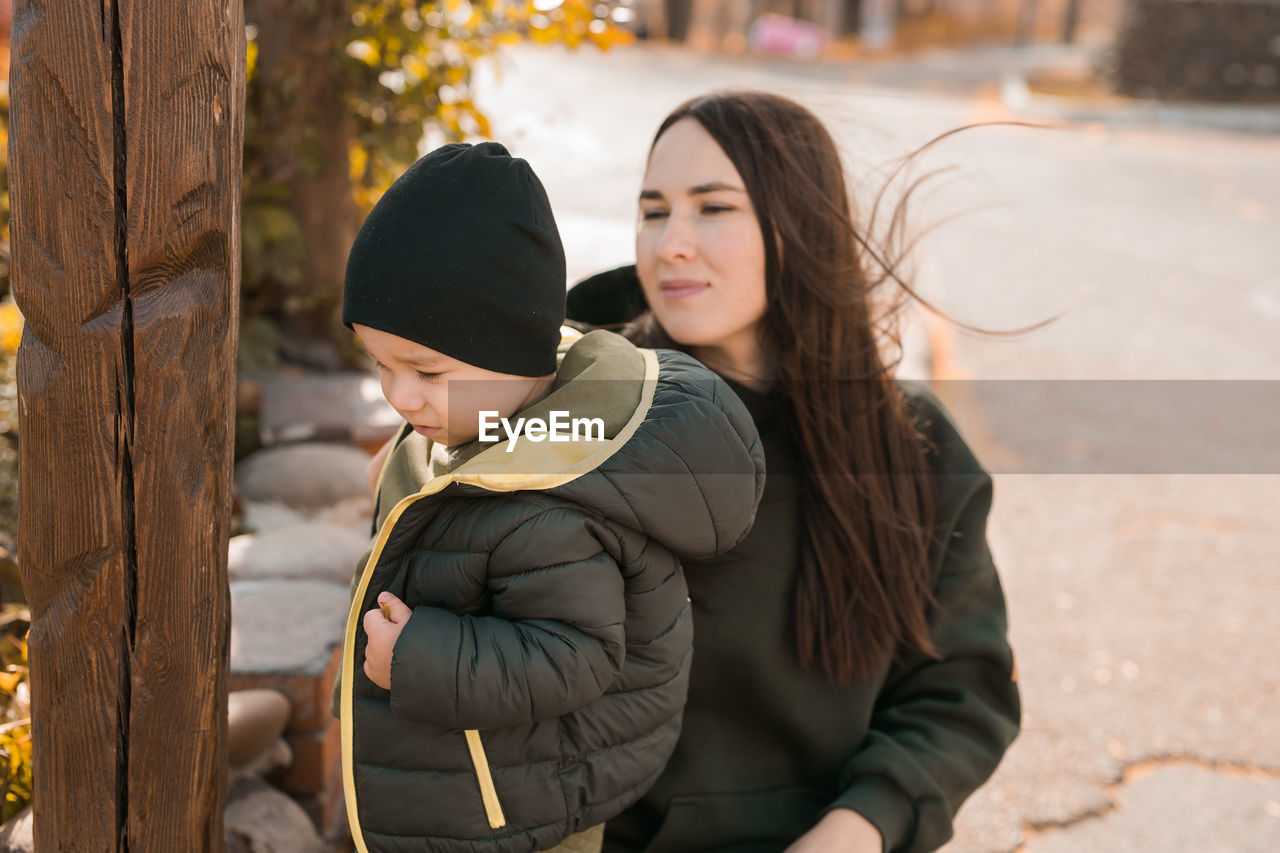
[{"x": 863, "y": 589}]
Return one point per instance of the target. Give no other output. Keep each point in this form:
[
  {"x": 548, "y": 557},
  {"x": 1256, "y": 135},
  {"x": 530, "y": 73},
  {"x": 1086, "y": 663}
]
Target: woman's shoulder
[
  {"x": 962, "y": 488},
  {"x": 946, "y": 451}
]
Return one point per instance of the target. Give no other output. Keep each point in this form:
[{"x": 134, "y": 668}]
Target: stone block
[
  {"x": 16, "y": 833},
  {"x": 260, "y": 819},
  {"x": 286, "y": 627},
  {"x": 315, "y": 755},
  {"x": 309, "y": 695},
  {"x": 315, "y": 779},
  {"x": 255, "y": 719},
  {"x": 277, "y": 757},
  {"x": 314, "y": 550},
  {"x": 346, "y": 407},
  {"x": 304, "y": 477},
  {"x": 268, "y": 515}
]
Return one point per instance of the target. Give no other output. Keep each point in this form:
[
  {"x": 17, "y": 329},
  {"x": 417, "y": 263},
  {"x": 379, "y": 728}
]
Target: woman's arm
[{"x": 941, "y": 725}]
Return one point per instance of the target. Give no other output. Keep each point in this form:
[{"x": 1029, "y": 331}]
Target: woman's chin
[{"x": 686, "y": 330}]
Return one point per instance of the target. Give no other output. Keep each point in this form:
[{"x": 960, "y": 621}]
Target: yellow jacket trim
[
  {"x": 492, "y": 469},
  {"x": 488, "y": 791}
]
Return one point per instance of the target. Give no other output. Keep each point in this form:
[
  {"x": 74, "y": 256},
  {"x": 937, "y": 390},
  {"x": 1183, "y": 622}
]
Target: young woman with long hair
[{"x": 851, "y": 681}]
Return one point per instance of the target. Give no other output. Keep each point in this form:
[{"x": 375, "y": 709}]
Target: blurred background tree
[{"x": 343, "y": 96}]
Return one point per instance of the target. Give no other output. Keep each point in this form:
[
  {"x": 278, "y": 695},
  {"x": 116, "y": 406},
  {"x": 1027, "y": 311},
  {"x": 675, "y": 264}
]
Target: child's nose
[{"x": 403, "y": 394}]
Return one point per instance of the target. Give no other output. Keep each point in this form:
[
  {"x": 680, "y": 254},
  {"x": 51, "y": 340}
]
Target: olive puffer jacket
[{"x": 538, "y": 687}]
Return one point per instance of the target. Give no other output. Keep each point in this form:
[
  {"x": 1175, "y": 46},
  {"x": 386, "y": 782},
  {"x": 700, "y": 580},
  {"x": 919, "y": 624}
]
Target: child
[{"x": 517, "y": 652}]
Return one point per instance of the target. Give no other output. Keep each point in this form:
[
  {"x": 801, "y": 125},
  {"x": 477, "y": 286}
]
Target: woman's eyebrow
[
  {"x": 715, "y": 186},
  {"x": 699, "y": 189}
]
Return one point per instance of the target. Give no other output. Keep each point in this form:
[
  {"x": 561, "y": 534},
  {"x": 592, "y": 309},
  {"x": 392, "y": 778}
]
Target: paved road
[{"x": 1144, "y": 605}]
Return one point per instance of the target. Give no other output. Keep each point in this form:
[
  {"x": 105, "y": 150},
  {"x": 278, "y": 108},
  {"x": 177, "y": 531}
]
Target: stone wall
[{"x": 1213, "y": 50}]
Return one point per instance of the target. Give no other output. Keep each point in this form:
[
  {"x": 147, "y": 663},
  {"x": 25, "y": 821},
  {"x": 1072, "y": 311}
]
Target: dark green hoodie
[{"x": 767, "y": 748}]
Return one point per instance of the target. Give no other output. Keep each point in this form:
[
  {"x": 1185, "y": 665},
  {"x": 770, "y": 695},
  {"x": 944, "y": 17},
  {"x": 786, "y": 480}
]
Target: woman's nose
[{"x": 677, "y": 242}]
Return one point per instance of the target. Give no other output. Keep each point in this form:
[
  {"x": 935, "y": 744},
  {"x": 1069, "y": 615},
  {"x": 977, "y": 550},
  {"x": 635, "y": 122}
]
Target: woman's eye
[
  {"x": 652, "y": 214},
  {"x": 428, "y": 377},
  {"x": 715, "y": 208}
]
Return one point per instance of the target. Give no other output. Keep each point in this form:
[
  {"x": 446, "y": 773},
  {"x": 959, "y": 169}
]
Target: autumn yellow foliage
[
  {"x": 10, "y": 327},
  {"x": 398, "y": 79},
  {"x": 417, "y": 59},
  {"x": 15, "y": 711}
]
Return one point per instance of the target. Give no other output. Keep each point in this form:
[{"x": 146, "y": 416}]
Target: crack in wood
[{"x": 126, "y": 392}]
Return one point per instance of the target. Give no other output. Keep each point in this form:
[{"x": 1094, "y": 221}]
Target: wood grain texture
[{"x": 125, "y": 169}]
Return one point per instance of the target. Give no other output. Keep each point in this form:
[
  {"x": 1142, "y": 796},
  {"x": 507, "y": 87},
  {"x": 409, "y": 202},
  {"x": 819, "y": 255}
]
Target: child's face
[{"x": 440, "y": 396}]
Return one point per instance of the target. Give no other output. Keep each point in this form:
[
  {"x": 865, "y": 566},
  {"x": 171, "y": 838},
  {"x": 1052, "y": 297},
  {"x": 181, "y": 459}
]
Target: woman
[{"x": 852, "y": 682}]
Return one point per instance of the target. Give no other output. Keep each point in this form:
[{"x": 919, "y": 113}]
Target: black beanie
[{"x": 462, "y": 256}]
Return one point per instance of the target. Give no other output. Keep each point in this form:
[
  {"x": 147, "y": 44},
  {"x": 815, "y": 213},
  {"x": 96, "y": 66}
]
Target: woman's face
[{"x": 699, "y": 251}]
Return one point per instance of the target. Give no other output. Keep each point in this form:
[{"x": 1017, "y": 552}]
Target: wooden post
[
  {"x": 653, "y": 17},
  {"x": 1025, "y": 27},
  {"x": 1070, "y": 18},
  {"x": 878, "y": 23},
  {"x": 125, "y": 168},
  {"x": 706, "y": 25}
]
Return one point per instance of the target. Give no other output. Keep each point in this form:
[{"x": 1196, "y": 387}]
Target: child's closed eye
[{"x": 424, "y": 375}]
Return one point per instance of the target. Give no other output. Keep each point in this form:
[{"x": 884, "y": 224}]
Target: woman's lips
[
  {"x": 428, "y": 431},
  {"x": 681, "y": 288}
]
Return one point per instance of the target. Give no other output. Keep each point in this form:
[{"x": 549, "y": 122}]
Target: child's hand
[{"x": 383, "y": 625}]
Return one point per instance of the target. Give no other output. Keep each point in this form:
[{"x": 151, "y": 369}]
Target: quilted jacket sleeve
[{"x": 552, "y": 642}]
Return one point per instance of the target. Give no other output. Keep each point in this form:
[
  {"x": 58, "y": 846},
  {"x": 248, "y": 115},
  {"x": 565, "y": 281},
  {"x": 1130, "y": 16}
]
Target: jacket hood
[{"x": 665, "y": 450}]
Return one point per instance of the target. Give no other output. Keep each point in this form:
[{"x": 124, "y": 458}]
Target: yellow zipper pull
[{"x": 489, "y": 793}]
